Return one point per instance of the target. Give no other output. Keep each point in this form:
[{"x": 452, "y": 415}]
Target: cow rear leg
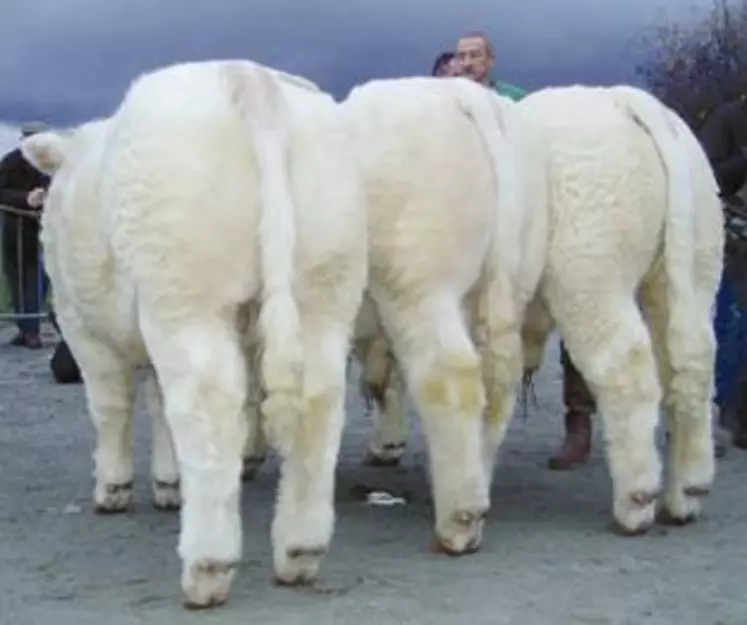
[
  {"x": 692, "y": 463},
  {"x": 382, "y": 388},
  {"x": 498, "y": 334},
  {"x": 443, "y": 372},
  {"x": 255, "y": 449},
  {"x": 502, "y": 370},
  {"x": 609, "y": 343},
  {"x": 535, "y": 330},
  {"x": 686, "y": 374},
  {"x": 309, "y": 446},
  {"x": 164, "y": 467},
  {"x": 109, "y": 387},
  {"x": 389, "y": 441},
  {"x": 201, "y": 371}
]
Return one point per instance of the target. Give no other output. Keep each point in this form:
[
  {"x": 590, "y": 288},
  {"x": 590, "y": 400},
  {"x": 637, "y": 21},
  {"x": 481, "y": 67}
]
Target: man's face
[{"x": 475, "y": 60}]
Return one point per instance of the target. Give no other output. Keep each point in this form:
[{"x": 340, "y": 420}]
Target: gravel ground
[{"x": 547, "y": 557}]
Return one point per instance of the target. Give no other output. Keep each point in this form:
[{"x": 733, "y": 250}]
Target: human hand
[{"x": 36, "y": 197}]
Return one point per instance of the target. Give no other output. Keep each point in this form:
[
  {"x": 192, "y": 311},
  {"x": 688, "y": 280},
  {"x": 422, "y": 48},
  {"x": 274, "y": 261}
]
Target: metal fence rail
[{"x": 16, "y": 281}]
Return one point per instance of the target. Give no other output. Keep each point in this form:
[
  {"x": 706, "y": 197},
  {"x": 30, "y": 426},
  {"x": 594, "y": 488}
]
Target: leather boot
[
  {"x": 576, "y": 445},
  {"x": 580, "y": 406}
]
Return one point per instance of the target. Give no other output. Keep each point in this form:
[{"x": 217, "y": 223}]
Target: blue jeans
[
  {"x": 730, "y": 327},
  {"x": 28, "y": 285}
]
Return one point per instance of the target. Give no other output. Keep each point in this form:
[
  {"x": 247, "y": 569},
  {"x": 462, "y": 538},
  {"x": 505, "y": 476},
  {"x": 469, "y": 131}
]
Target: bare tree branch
[{"x": 694, "y": 66}]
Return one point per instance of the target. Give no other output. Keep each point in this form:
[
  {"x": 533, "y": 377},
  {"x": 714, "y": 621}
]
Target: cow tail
[
  {"x": 259, "y": 101},
  {"x": 667, "y": 130}
]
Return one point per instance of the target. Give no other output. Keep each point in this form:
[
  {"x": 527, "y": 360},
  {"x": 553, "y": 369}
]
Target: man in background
[
  {"x": 23, "y": 187},
  {"x": 724, "y": 139},
  {"x": 445, "y": 65},
  {"x": 476, "y": 56}
]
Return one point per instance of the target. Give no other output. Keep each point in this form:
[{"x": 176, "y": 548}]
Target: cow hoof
[
  {"x": 443, "y": 547},
  {"x": 643, "y": 499},
  {"x": 113, "y": 498},
  {"x": 463, "y": 536},
  {"x": 630, "y": 532},
  {"x": 207, "y": 584},
  {"x": 388, "y": 455},
  {"x": 166, "y": 496},
  {"x": 666, "y": 517},
  {"x": 213, "y": 603},
  {"x": 250, "y": 468},
  {"x": 634, "y": 516},
  {"x": 683, "y": 508},
  {"x": 300, "y": 566}
]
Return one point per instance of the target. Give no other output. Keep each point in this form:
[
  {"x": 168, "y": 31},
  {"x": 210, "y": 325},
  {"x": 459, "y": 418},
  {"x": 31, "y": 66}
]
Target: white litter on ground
[{"x": 382, "y": 498}]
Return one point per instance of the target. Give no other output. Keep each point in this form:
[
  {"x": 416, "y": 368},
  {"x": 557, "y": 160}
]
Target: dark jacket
[
  {"x": 17, "y": 178},
  {"x": 724, "y": 137}
]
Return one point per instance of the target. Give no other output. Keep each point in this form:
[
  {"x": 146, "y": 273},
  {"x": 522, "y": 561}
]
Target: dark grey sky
[{"x": 67, "y": 60}]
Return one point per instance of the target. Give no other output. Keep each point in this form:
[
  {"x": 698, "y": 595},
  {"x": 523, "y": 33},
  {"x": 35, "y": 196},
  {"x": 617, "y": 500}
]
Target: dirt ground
[{"x": 548, "y": 557}]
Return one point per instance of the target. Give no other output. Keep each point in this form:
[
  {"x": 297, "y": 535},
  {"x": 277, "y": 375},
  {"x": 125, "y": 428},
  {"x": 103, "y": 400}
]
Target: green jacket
[{"x": 508, "y": 90}]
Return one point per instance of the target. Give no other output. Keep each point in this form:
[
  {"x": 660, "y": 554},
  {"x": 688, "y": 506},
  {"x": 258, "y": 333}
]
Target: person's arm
[
  {"x": 17, "y": 198},
  {"x": 728, "y": 161}
]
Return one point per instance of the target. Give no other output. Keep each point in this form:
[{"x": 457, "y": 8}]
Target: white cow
[
  {"x": 446, "y": 235},
  {"x": 634, "y": 222},
  {"x": 633, "y": 266},
  {"x": 217, "y": 192}
]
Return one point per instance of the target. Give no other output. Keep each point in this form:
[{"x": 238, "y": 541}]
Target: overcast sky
[{"x": 65, "y": 61}]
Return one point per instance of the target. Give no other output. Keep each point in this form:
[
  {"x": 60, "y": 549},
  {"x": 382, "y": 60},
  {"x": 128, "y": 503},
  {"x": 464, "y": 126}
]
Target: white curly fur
[
  {"x": 452, "y": 262},
  {"x": 217, "y": 194},
  {"x": 633, "y": 261}
]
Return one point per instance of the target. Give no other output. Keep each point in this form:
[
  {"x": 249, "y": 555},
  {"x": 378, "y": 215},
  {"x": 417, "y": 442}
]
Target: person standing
[
  {"x": 445, "y": 65},
  {"x": 476, "y": 56},
  {"x": 579, "y": 408},
  {"x": 724, "y": 139},
  {"x": 23, "y": 188}
]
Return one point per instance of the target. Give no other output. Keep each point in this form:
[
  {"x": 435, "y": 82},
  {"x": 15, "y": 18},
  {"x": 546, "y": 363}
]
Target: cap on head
[{"x": 32, "y": 128}]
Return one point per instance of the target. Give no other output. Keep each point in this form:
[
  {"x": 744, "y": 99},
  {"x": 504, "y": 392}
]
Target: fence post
[{"x": 15, "y": 279}]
